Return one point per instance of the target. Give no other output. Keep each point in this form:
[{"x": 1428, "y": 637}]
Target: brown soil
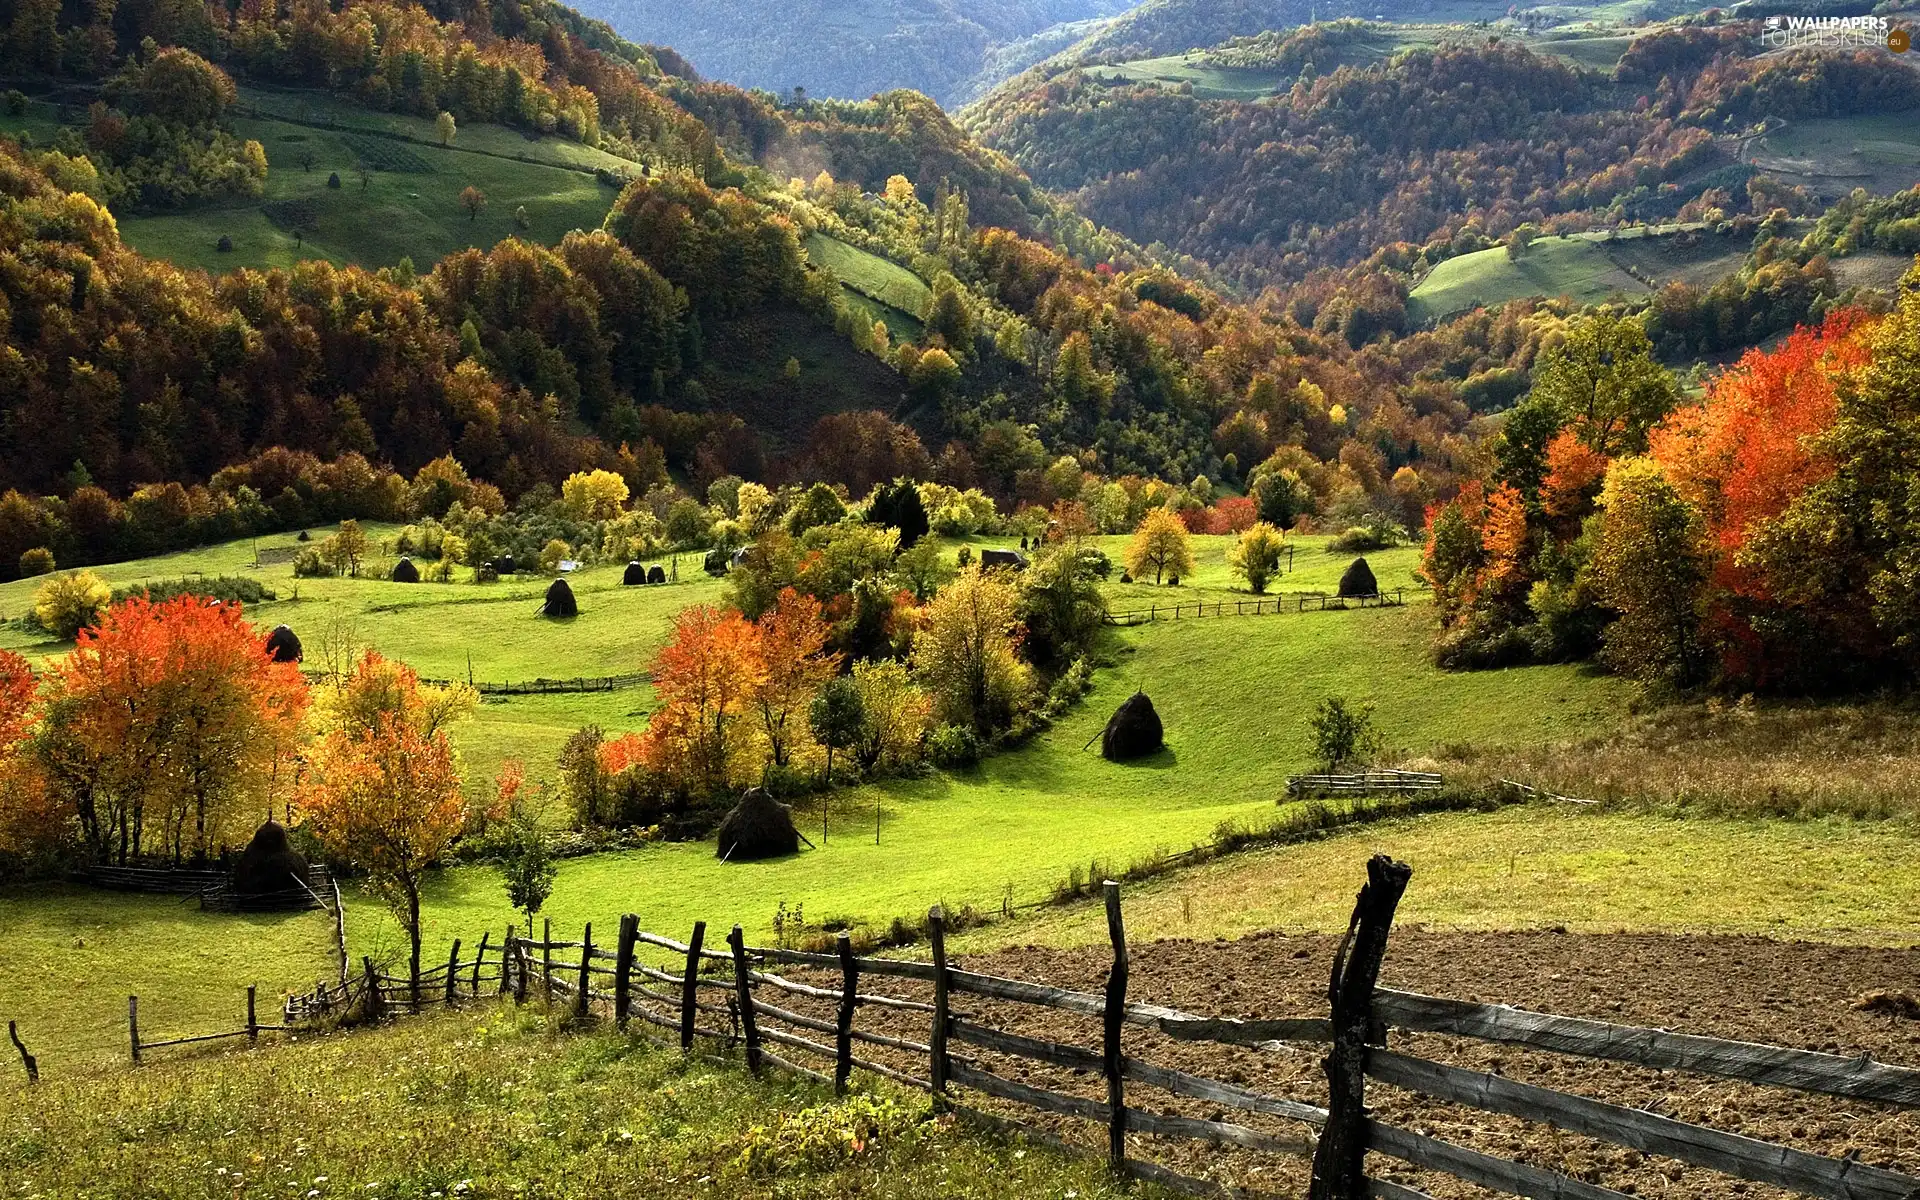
[{"x": 1812, "y": 997}]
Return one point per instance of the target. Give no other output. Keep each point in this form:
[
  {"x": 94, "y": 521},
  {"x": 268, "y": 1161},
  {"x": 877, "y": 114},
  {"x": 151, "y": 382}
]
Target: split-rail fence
[
  {"x": 1259, "y": 606},
  {"x": 821, "y": 1015}
]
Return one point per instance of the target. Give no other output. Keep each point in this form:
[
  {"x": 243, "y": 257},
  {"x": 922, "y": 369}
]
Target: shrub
[
  {"x": 66, "y": 604},
  {"x": 486, "y": 572},
  {"x": 225, "y": 244},
  {"x": 227, "y": 589},
  {"x": 1375, "y": 535},
  {"x": 954, "y": 747},
  {"x": 16, "y": 102},
  {"x": 552, "y": 554},
  {"x": 37, "y": 561},
  {"x": 1095, "y": 562},
  {"x": 333, "y": 180},
  {"x": 1343, "y": 733},
  {"x": 308, "y": 564},
  {"x": 1484, "y": 643}
]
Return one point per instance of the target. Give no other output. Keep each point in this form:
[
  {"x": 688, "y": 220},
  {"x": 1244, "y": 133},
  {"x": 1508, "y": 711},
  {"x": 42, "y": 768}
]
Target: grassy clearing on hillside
[
  {"x": 1537, "y": 867},
  {"x": 77, "y": 953},
  {"x": 870, "y": 275},
  {"x": 1552, "y": 266},
  {"x": 1832, "y": 157},
  {"x": 490, "y": 1102}
]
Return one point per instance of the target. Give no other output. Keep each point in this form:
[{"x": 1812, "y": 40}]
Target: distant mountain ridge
[{"x": 847, "y": 49}]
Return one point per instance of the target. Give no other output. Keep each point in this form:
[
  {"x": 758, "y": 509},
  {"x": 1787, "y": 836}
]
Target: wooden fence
[
  {"x": 1364, "y": 783},
  {"x": 819, "y": 1014},
  {"x": 251, "y": 1030},
  {"x": 1259, "y": 606},
  {"x": 542, "y": 686},
  {"x": 213, "y": 888}
]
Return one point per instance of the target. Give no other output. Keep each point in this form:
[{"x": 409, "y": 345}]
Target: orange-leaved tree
[
  {"x": 31, "y": 820},
  {"x": 793, "y": 639},
  {"x": 706, "y": 679},
  {"x": 384, "y": 790},
  {"x": 170, "y": 714}
]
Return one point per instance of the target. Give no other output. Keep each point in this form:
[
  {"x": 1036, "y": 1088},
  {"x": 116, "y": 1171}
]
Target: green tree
[
  {"x": 526, "y": 865},
  {"x": 964, "y": 652},
  {"x": 1255, "y": 555},
  {"x": 1604, "y": 381},
  {"x": 444, "y": 129},
  {"x": 68, "y": 603},
  {"x": 584, "y": 783},
  {"x": 1343, "y": 733},
  {"x": 1650, "y": 566},
  {"x": 837, "y": 718},
  {"x": 1281, "y": 497},
  {"x": 1061, "y": 606}
]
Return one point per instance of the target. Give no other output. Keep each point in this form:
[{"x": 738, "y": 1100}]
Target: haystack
[
  {"x": 758, "y": 827},
  {"x": 504, "y": 565},
  {"x": 283, "y": 645},
  {"x": 560, "y": 602},
  {"x": 405, "y": 572},
  {"x": 1359, "y": 580},
  {"x": 656, "y": 574},
  {"x": 1133, "y": 731},
  {"x": 270, "y": 864},
  {"x": 636, "y": 573}
]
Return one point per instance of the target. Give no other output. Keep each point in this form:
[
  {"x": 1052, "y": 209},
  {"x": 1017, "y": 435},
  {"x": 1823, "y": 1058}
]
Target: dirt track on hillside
[{"x": 1786, "y": 993}]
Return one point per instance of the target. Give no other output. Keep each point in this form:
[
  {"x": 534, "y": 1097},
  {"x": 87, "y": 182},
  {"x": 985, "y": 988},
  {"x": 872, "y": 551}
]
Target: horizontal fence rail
[
  {"x": 939, "y": 1028},
  {"x": 1258, "y": 606}
]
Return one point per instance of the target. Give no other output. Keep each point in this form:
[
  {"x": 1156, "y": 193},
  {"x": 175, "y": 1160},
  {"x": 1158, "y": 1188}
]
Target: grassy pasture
[
  {"x": 407, "y": 207},
  {"x": 869, "y": 275},
  {"x": 1832, "y": 157},
  {"x": 491, "y": 1101},
  {"x": 1552, "y": 266}
]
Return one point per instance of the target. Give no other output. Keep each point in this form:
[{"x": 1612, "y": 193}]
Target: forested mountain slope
[{"x": 1438, "y": 148}]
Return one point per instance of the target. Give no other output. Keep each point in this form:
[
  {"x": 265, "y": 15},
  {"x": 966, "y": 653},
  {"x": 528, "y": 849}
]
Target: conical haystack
[
  {"x": 758, "y": 827},
  {"x": 270, "y": 864},
  {"x": 1359, "y": 580},
  {"x": 405, "y": 572},
  {"x": 1133, "y": 731},
  {"x": 560, "y": 601},
  {"x": 636, "y": 573},
  {"x": 283, "y": 645}
]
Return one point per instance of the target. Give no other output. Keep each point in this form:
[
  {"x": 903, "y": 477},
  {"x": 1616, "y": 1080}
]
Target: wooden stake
[
  {"x": 133, "y": 1026},
  {"x": 253, "y": 1025},
  {"x": 28, "y": 1061},
  {"x": 623, "y": 968},
  {"x": 1114, "y": 1061},
  {"x": 453, "y": 970},
  {"x": 586, "y": 959},
  {"x": 506, "y": 961},
  {"x": 743, "y": 996},
  {"x": 546, "y": 957},
  {"x": 1339, "y": 1158},
  {"x": 479, "y": 957},
  {"x": 937, "y": 934},
  {"x": 843, "y": 1025},
  {"x": 689, "y": 985}
]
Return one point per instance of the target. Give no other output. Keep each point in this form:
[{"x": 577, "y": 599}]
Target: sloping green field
[
  {"x": 1552, "y": 266},
  {"x": 869, "y": 275}
]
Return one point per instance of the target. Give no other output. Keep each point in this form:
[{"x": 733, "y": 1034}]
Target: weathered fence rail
[
  {"x": 827, "y": 1017},
  {"x": 1365, "y": 783},
  {"x": 1258, "y": 606}
]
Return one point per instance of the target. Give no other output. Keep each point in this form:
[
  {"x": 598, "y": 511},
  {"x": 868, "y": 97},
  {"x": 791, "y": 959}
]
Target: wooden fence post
[
  {"x": 506, "y": 961},
  {"x": 133, "y": 1026},
  {"x": 743, "y": 995},
  {"x": 623, "y": 968},
  {"x": 1116, "y": 1008},
  {"x": 546, "y": 958},
  {"x": 522, "y": 963},
  {"x": 1340, "y": 1157},
  {"x": 340, "y": 930},
  {"x": 479, "y": 957},
  {"x": 253, "y": 1024},
  {"x": 843, "y": 1023},
  {"x": 453, "y": 970},
  {"x": 937, "y": 1068},
  {"x": 586, "y": 979},
  {"x": 689, "y": 985},
  {"x": 376, "y": 1003}
]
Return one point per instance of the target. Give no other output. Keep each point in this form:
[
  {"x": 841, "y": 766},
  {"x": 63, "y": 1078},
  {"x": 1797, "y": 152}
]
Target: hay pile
[
  {"x": 405, "y": 572},
  {"x": 1359, "y": 580},
  {"x": 560, "y": 601},
  {"x": 1133, "y": 731},
  {"x": 504, "y": 565},
  {"x": 270, "y": 864},
  {"x": 283, "y": 645},
  {"x": 758, "y": 827},
  {"x": 656, "y": 574},
  {"x": 636, "y": 573}
]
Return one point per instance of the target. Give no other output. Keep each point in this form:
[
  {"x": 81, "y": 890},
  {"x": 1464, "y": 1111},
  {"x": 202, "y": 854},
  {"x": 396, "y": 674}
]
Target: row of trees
[{"x": 1759, "y": 538}]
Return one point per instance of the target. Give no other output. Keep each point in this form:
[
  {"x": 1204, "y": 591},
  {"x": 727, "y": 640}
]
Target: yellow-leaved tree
[
  {"x": 1160, "y": 545},
  {"x": 1255, "y": 555},
  {"x": 965, "y": 654}
]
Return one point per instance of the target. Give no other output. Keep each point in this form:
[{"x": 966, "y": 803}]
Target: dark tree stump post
[
  {"x": 743, "y": 995},
  {"x": 1340, "y": 1157},
  {"x": 28, "y": 1061},
  {"x": 133, "y": 1026},
  {"x": 690, "y": 986},
  {"x": 253, "y": 1023},
  {"x": 937, "y": 1067},
  {"x": 1114, "y": 1061},
  {"x": 479, "y": 957},
  {"x": 376, "y": 1003},
  {"x": 522, "y": 964},
  {"x": 843, "y": 1023},
  {"x": 586, "y": 979},
  {"x": 623, "y": 968},
  {"x": 507, "y": 954},
  {"x": 546, "y": 959},
  {"x": 453, "y": 973}
]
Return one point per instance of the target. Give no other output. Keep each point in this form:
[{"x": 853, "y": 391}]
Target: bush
[
  {"x": 1095, "y": 562},
  {"x": 225, "y": 244},
  {"x": 486, "y": 572},
  {"x": 954, "y": 747},
  {"x": 37, "y": 561},
  {"x": 16, "y": 102},
  {"x": 1343, "y": 733},
  {"x": 1482, "y": 644},
  {"x": 66, "y": 604},
  {"x": 225, "y": 588},
  {"x": 1376, "y": 535},
  {"x": 307, "y": 564},
  {"x": 333, "y": 180}
]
